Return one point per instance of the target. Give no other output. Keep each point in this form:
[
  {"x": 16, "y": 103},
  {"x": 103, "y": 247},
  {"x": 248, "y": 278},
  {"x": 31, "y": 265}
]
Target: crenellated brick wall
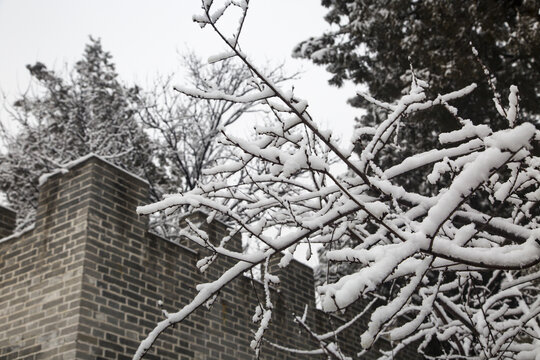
[{"x": 84, "y": 282}]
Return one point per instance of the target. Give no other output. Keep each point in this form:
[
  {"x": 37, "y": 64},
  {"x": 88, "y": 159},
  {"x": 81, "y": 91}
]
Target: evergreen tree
[
  {"x": 90, "y": 111},
  {"x": 374, "y": 43}
]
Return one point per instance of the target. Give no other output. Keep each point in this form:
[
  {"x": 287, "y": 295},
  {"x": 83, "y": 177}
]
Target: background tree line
[{"x": 157, "y": 133}]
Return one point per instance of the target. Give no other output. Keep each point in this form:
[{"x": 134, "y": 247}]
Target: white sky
[{"x": 145, "y": 38}]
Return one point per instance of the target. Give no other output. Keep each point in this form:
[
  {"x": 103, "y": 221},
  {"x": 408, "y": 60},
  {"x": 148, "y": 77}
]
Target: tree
[
  {"x": 187, "y": 130},
  {"x": 375, "y": 44},
  {"x": 64, "y": 119},
  {"x": 93, "y": 112},
  {"x": 378, "y": 44},
  {"x": 457, "y": 269}
]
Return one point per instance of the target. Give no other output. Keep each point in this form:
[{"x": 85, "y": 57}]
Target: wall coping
[{"x": 63, "y": 169}]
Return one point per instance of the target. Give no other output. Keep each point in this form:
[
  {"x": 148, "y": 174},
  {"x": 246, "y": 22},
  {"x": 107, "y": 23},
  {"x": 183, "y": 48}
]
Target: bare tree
[
  {"x": 454, "y": 269},
  {"x": 187, "y": 129}
]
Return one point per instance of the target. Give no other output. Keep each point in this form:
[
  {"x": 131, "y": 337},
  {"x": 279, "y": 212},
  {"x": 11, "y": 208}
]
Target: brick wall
[
  {"x": 85, "y": 281},
  {"x": 41, "y": 274}
]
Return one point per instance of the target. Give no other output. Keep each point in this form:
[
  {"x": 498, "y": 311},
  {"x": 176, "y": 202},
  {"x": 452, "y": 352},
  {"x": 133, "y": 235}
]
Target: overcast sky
[{"x": 145, "y": 38}]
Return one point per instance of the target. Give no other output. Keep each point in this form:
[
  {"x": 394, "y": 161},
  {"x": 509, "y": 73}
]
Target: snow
[
  {"x": 319, "y": 54},
  {"x": 432, "y": 156},
  {"x": 219, "y": 95},
  {"x": 43, "y": 178},
  {"x": 510, "y": 256},
  {"x": 512, "y": 139},
  {"x": 382, "y": 260},
  {"x": 205, "y": 292},
  {"x": 469, "y": 130},
  {"x": 69, "y": 165},
  {"x": 4, "y": 206},
  {"x": 512, "y": 111},
  {"x": 408, "y": 328},
  {"x": 383, "y": 313},
  {"x": 221, "y": 56},
  {"x": 463, "y": 185}
]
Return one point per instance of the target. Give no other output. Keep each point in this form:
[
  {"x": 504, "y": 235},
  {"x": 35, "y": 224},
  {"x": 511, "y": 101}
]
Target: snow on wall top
[{"x": 69, "y": 165}]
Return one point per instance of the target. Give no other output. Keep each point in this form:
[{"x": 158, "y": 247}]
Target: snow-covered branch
[{"x": 449, "y": 266}]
